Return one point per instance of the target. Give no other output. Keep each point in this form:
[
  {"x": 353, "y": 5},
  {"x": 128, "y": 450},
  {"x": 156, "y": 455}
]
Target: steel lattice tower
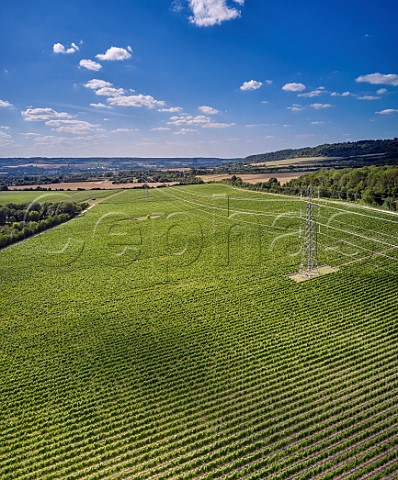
[{"x": 309, "y": 259}]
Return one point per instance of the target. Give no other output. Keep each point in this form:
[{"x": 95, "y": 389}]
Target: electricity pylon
[{"x": 309, "y": 258}]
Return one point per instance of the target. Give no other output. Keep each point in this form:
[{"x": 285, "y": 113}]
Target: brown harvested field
[
  {"x": 177, "y": 169},
  {"x": 36, "y": 165},
  {"x": 255, "y": 177},
  {"x": 105, "y": 184},
  {"x": 295, "y": 161}
]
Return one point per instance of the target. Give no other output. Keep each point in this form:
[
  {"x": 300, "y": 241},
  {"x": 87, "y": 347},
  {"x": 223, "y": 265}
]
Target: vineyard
[{"x": 159, "y": 336}]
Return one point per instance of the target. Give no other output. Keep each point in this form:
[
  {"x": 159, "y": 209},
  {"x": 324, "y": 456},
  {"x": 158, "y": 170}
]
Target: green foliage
[
  {"x": 23, "y": 196},
  {"x": 377, "y": 186},
  {"x": 374, "y": 185},
  {"x": 19, "y": 221},
  {"x": 388, "y": 148},
  {"x": 122, "y": 177},
  {"x": 174, "y": 346}
]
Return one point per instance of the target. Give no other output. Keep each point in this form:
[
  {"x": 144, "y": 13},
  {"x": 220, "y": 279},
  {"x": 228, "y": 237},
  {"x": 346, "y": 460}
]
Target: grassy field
[
  {"x": 72, "y": 196},
  {"x": 310, "y": 161},
  {"x": 159, "y": 336}
]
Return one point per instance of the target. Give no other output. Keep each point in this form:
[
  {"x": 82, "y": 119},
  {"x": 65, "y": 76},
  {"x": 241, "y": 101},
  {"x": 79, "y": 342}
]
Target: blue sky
[{"x": 184, "y": 78}]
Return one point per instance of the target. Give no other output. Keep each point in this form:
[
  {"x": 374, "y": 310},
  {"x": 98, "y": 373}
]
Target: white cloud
[
  {"x": 50, "y": 140},
  {"x": 160, "y": 129},
  {"x": 217, "y": 125},
  {"x": 185, "y": 131},
  {"x": 136, "y": 101},
  {"x": 387, "y": 111},
  {"x": 6, "y": 140},
  {"x": 59, "y": 48},
  {"x": 90, "y": 65},
  {"x": 43, "y": 114},
  {"x": 5, "y": 127},
  {"x": 110, "y": 92},
  {"x": 99, "y": 105},
  {"x": 115, "y": 53},
  {"x": 379, "y": 79},
  {"x": 312, "y": 94},
  {"x": 116, "y": 96},
  {"x": 296, "y": 108},
  {"x": 251, "y": 85},
  {"x": 317, "y": 123},
  {"x": 96, "y": 84},
  {"x": 171, "y": 110},
  {"x": 199, "y": 120},
  {"x": 5, "y": 104},
  {"x": 208, "y": 110},
  {"x": 207, "y": 13},
  {"x": 320, "y": 106},
  {"x": 183, "y": 120},
  {"x": 368, "y": 97},
  {"x": 381, "y": 91},
  {"x": 344, "y": 94},
  {"x": 294, "y": 87},
  {"x": 123, "y": 130},
  {"x": 71, "y": 126}
]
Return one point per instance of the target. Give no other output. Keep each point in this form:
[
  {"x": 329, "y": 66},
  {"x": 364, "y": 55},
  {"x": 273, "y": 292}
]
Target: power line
[
  {"x": 361, "y": 247},
  {"x": 369, "y": 257},
  {"x": 358, "y": 213},
  {"x": 239, "y": 212},
  {"x": 358, "y": 227},
  {"x": 309, "y": 259},
  {"x": 357, "y": 235}
]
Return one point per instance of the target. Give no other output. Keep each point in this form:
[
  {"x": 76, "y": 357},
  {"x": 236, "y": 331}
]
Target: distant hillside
[
  {"x": 54, "y": 166},
  {"x": 378, "y": 149}
]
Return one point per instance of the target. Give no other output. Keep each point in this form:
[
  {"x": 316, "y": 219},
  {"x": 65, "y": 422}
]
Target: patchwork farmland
[{"x": 159, "y": 335}]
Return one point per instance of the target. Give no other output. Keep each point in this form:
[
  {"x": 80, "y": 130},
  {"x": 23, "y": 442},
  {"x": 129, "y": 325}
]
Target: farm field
[
  {"x": 310, "y": 161},
  {"x": 105, "y": 184},
  {"x": 253, "y": 177},
  {"x": 159, "y": 336},
  {"x": 41, "y": 196}
]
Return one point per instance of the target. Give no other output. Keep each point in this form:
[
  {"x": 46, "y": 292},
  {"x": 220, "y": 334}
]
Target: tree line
[
  {"x": 387, "y": 148},
  {"x": 125, "y": 176},
  {"x": 377, "y": 186},
  {"x": 19, "y": 221}
]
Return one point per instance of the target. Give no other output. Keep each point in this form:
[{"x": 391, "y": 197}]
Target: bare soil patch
[{"x": 324, "y": 270}]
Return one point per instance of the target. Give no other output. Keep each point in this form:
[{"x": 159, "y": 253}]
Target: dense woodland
[
  {"x": 19, "y": 221},
  {"x": 377, "y": 186},
  {"x": 387, "y": 148}
]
